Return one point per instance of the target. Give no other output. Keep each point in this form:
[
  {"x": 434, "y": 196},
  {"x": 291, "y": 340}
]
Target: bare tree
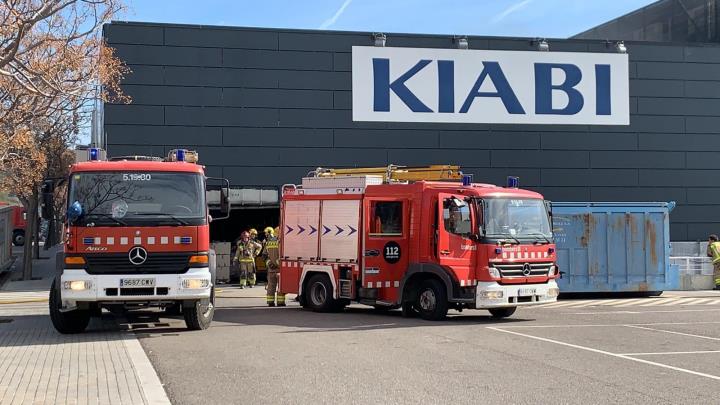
[{"x": 53, "y": 66}]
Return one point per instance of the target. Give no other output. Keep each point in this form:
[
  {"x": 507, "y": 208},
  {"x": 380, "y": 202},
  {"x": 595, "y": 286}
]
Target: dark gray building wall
[
  {"x": 263, "y": 107},
  {"x": 664, "y": 21}
]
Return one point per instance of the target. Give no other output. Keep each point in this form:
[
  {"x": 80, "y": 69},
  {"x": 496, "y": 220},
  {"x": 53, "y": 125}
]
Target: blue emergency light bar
[
  {"x": 180, "y": 155},
  {"x": 513, "y": 182},
  {"x": 93, "y": 153},
  {"x": 467, "y": 180}
]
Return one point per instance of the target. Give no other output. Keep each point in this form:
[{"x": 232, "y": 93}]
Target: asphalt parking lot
[{"x": 649, "y": 350}]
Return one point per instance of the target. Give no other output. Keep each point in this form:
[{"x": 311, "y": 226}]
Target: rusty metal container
[{"x": 614, "y": 246}]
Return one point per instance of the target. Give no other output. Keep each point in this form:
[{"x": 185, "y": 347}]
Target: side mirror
[
  {"x": 224, "y": 201},
  {"x": 74, "y": 212},
  {"x": 47, "y": 208}
]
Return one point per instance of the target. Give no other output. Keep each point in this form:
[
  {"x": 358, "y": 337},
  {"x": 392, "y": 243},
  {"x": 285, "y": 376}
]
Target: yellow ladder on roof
[{"x": 395, "y": 173}]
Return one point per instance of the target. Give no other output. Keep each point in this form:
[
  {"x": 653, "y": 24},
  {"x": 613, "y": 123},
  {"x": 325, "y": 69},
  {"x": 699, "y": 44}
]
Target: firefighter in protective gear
[
  {"x": 245, "y": 254},
  {"x": 713, "y": 251},
  {"x": 271, "y": 252},
  {"x": 253, "y": 234}
]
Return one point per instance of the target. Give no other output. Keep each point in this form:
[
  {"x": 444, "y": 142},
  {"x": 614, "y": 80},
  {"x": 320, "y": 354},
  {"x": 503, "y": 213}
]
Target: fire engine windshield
[
  {"x": 517, "y": 218},
  {"x": 135, "y": 198}
]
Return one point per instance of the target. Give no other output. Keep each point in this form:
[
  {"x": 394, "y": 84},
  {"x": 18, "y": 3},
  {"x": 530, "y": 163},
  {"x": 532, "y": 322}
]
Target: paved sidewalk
[{"x": 105, "y": 365}]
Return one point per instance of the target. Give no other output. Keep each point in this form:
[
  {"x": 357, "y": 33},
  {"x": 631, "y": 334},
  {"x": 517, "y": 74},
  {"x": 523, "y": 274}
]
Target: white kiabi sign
[{"x": 491, "y": 87}]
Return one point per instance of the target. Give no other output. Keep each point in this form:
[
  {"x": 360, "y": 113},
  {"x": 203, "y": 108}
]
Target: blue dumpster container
[{"x": 614, "y": 246}]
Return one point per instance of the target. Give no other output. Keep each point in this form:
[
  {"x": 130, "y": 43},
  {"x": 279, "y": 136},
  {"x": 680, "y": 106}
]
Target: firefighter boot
[
  {"x": 251, "y": 280},
  {"x": 281, "y": 300},
  {"x": 270, "y": 299}
]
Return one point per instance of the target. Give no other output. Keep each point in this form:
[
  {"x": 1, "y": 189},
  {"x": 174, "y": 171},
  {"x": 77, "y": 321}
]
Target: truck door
[
  {"x": 385, "y": 251},
  {"x": 455, "y": 249}
]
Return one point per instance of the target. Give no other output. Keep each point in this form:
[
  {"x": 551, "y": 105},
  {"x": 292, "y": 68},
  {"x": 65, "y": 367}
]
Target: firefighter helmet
[
  {"x": 253, "y": 232},
  {"x": 269, "y": 231}
]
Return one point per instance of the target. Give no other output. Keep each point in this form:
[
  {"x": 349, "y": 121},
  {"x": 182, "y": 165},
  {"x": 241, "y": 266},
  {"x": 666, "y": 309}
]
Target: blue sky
[{"x": 529, "y": 18}]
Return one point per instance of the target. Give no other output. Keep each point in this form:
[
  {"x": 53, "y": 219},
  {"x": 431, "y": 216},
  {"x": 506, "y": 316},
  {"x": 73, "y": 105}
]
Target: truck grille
[
  {"x": 516, "y": 269},
  {"x": 156, "y": 263}
]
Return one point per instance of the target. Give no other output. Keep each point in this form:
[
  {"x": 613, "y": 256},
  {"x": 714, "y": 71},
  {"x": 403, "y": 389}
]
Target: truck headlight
[
  {"x": 553, "y": 292},
  {"x": 196, "y": 283},
  {"x": 494, "y": 273},
  {"x": 77, "y": 285},
  {"x": 491, "y": 295}
]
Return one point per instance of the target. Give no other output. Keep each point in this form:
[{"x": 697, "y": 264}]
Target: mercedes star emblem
[
  {"x": 526, "y": 269},
  {"x": 137, "y": 255}
]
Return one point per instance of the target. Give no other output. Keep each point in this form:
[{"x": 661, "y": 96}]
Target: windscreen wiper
[
  {"x": 547, "y": 241},
  {"x": 516, "y": 240},
  {"x": 173, "y": 217},
  {"x": 117, "y": 221}
]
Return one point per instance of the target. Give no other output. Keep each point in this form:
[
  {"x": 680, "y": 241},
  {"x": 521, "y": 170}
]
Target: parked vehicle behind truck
[
  {"x": 136, "y": 235},
  {"x": 391, "y": 239},
  {"x": 19, "y": 220}
]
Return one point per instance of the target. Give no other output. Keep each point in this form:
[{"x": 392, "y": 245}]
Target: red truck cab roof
[
  {"x": 475, "y": 189},
  {"x": 136, "y": 166}
]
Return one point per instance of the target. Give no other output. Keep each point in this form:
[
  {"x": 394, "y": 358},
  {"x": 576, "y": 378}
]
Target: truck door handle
[{"x": 444, "y": 252}]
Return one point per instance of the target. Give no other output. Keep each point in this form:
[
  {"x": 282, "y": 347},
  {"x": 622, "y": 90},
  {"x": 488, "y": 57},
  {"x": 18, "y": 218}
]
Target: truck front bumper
[
  {"x": 106, "y": 287},
  {"x": 494, "y": 295}
]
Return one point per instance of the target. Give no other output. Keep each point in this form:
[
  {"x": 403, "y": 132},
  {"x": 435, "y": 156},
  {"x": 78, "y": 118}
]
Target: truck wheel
[
  {"x": 502, "y": 312},
  {"x": 319, "y": 294},
  {"x": 66, "y": 322},
  {"x": 18, "y": 238},
  {"x": 172, "y": 310},
  {"x": 431, "y": 302},
  {"x": 408, "y": 310},
  {"x": 201, "y": 314}
]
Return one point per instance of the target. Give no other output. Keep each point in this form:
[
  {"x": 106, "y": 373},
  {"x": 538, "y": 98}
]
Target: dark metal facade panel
[
  {"x": 220, "y": 77},
  {"x": 168, "y": 55},
  {"x": 540, "y": 158},
  {"x": 166, "y": 135},
  {"x": 262, "y": 59},
  {"x": 385, "y": 138},
  {"x": 295, "y": 137},
  {"x": 629, "y": 160},
  {"x": 218, "y": 37},
  {"x": 265, "y": 106},
  {"x": 589, "y": 141}
]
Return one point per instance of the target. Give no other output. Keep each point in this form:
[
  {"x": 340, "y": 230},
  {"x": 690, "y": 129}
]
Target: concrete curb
[{"x": 153, "y": 390}]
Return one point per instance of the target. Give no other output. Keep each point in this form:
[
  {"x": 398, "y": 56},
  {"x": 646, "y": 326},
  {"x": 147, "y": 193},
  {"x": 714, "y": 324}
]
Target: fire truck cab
[
  {"x": 136, "y": 235},
  {"x": 423, "y": 246}
]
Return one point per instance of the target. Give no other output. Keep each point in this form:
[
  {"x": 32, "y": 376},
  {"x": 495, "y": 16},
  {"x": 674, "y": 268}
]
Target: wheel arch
[
  {"x": 310, "y": 270},
  {"x": 418, "y": 272}
]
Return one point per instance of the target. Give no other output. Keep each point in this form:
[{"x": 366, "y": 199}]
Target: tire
[
  {"x": 200, "y": 315},
  {"x": 431, "y": 301},
  {"x": 408, "y": 310},
  {"x": 172, "y": 310},
  {"x": 66, "y": 322},
  {"x": 18, "y": 238},
  {"x": 319, "y": 294},
  {"x": 95, "y": 311},
  {"x": 499, "y": 313}
]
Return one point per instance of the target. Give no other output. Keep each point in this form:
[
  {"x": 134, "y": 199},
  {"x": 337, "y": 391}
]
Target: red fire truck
[
  {"x": 19, "y": 218},
  {"x": 136, "y": 235},
  {"x": 385, "y": 238}
]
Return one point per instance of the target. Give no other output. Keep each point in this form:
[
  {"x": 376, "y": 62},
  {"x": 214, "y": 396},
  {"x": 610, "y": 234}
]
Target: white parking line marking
[
  {"x": 641, "y": 312},
  {"x": 615, "y": 324},
  {"x": 662, "y": 353},
  {"x": 674, "y": 333},
  {"x": 620, "y": 356}
]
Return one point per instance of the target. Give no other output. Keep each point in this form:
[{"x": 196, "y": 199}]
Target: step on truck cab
[
  {"x": 136, "y": 235},
  {"x": 390, "y": 240}
]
